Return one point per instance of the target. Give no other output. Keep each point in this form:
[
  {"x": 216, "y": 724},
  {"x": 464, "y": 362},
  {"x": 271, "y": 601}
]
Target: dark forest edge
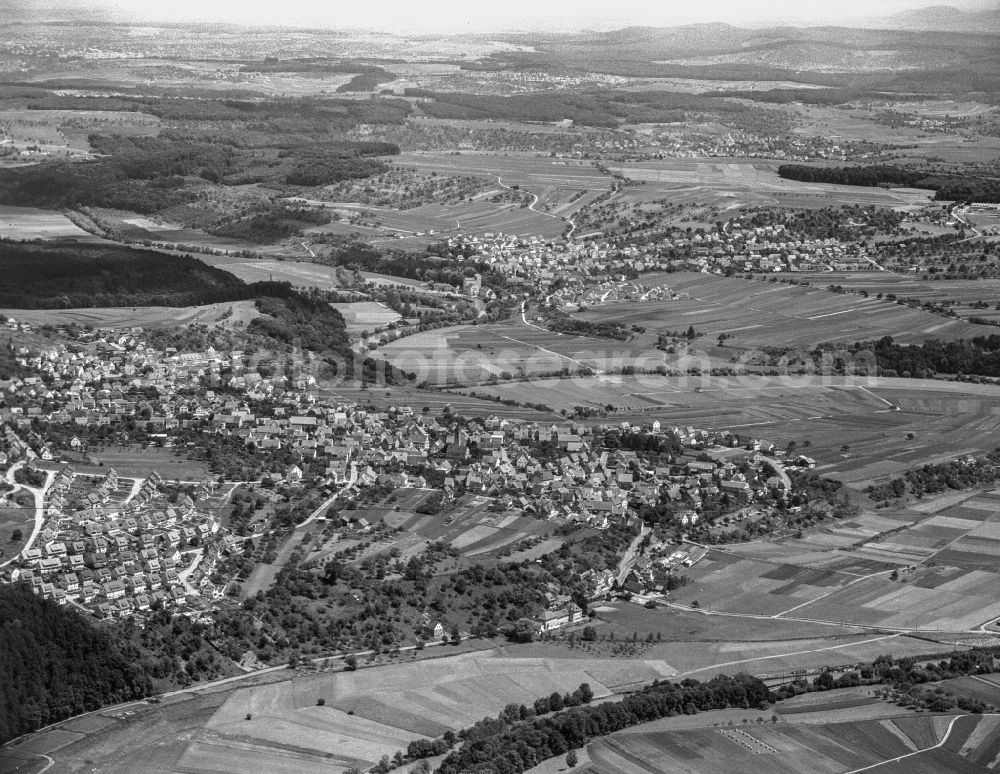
[{"x": 948, "y": 186}]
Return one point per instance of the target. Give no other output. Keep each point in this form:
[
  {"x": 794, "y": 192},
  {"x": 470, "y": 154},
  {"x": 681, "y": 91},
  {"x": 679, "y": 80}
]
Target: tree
[
  {"x": 16, "y": 536},
  {"x": 351, "y": 662},
  {"x": 571, "y": 759},
  {"x": 522, "y": 631}
]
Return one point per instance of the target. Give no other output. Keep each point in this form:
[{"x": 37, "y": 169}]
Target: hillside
[{"x": 944, "y": 17}]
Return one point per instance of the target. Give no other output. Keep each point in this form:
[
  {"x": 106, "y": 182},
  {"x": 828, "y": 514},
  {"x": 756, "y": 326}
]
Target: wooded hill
[
  {"x": 55, "y": 664},
  {"x": 67, "y": 275}
]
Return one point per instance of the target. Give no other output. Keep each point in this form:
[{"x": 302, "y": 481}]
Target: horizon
[{"x": 453, "y": 17}]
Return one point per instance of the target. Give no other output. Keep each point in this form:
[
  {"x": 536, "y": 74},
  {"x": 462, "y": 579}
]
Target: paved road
[
  {"x": 534, "y": 201},
  {"x": 39, "y": 495},
  {"x": 329, "y": 501}
]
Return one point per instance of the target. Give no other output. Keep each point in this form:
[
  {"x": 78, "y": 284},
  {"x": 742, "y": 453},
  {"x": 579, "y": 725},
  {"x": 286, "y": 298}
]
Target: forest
[
  {"x": 946, "y": 185},
  {"x": 149, "y": 174},
  {"x": 331, "y": 113},
  {"x": 66, "y": 275},
  {"x": 280, "y": 222},
  {"x": 979, "y": 356},
  {"x": 55, "y": 664},
  {"x": 605, "y": 109}
]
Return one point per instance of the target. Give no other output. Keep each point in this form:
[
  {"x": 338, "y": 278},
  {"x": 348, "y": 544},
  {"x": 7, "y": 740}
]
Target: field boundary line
[
  {"x": 918, "y": 752},
  {"x": 785, "y": 655},
  {"x": 833, "y": 591}
]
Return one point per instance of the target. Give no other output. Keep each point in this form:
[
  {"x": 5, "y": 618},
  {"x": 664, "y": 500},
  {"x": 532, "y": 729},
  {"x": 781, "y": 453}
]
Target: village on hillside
[{"x": 120, "y": 546}]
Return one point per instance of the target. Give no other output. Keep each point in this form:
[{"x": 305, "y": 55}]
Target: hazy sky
[{"x": 488, "y": 15}]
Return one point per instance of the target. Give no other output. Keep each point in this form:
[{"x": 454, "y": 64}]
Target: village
[
  {"x": 733, "y": 248},
  {"x": 120, "y": 546}
]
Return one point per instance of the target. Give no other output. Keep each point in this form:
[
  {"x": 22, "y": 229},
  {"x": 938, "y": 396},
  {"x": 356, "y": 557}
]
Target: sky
[{"x": 490, "y": 15}]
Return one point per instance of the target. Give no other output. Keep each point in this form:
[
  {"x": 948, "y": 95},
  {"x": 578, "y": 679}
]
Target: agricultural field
[
  {"x": 933, "y": 571},
  {"x": 820, "y": 748},
  {"x": 758, "y": 314},
  {"x": 464, "y": 354},
  {"x": 405, "y": 395},
  {"x": 439, "y": 220},
  {"x": 371, "y": 712},
  {"x": 857, "y": 429},
  {"x": 301, "y": 274},
  {"x": 366, "y": 316},
  {"x": 967, "y": 297},
  {"x": 33, "y": 223},
  {"x": 737, "y": 182},
  {"x": 229, "y": 313},
  {"x": 529, "y": 170}
]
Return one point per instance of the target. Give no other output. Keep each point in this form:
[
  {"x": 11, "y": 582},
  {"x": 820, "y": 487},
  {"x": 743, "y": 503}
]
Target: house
[{"x": 548, "y": 620}]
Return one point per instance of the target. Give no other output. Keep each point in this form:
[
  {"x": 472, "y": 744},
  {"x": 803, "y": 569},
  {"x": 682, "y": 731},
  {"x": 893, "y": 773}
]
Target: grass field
[
  {"x": 134, "y": 461},
  {"x": 14, "y": 517},
  {"x": 32, "y": 223}
]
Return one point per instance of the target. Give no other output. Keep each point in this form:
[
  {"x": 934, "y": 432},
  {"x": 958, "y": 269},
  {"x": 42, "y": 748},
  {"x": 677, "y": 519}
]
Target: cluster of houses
[
  {"x": 774, "y": 249},
  {"x": 537, "y": 263},
  {"x": 653, "y": 572},
  {"x": 117, "y": 547},
  {"x": 577, "y": 293}
]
